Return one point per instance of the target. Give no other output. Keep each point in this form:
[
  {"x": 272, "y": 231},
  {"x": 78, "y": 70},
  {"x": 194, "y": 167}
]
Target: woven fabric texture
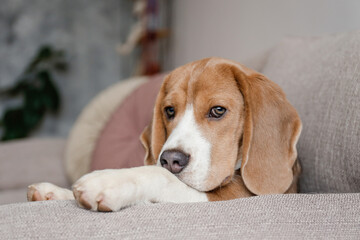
[
  {"x": 321, "y": 77},
  {"x": 307, "y": 216}
]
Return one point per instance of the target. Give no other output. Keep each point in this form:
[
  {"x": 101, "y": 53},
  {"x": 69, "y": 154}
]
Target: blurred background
[{"x": 55, "y": 56}]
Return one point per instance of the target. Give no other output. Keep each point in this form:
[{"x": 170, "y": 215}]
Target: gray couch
[{"x": 321, "y": 77}]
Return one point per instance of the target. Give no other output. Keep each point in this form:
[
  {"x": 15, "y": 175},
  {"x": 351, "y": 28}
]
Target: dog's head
[{"x": 212, "y": 117}]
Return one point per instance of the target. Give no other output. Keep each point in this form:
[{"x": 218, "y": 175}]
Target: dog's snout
[{"x": 174, "y": 160}]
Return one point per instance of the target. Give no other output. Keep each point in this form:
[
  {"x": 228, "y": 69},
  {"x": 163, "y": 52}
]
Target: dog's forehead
[{"x": 201, "y": 76}]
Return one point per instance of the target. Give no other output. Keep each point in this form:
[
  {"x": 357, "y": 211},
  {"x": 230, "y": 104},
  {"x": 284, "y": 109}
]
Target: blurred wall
[
  {"x": 87, "y": 30},
  {"x": 242, "y": 29}
]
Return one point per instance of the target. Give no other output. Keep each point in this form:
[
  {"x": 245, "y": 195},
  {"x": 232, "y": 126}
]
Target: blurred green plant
[{"x": 38, "y": 94}]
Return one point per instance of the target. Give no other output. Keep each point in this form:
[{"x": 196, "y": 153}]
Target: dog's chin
[
  {"x": 194, "y": 180},
  {"x": 200, "y": 185}
]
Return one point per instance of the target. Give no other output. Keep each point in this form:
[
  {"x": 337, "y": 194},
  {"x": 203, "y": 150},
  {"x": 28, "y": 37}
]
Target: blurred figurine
[
  {"x": 137, "y": 30},
  {"x": 146, "y": 33}
]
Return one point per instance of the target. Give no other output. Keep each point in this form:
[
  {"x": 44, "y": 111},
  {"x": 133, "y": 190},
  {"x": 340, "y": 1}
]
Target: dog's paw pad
[
  {"x": 97, "y": 205},
  {"x": 33, "y": 194},
  {"x": 81, "y": 199}
]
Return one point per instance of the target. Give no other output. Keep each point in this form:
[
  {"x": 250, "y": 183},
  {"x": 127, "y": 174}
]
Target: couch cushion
[
  {"x": 321, "y": 77},
  {"x": 299, "y": 216},
  {"x": 23, "y": 162},
  {"x": 118, "y": 145},
  {"x": 13, "y": 195}
]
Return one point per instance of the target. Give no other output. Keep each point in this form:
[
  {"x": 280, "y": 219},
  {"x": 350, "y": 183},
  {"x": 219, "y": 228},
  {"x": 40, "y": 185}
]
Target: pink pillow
[{"x": 118, "y": 145}]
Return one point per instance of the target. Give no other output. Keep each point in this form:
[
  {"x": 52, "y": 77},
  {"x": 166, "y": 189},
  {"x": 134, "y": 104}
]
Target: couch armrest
[
  {"x": 289, "y": 216},
  {"x": 29, "y": 161}
]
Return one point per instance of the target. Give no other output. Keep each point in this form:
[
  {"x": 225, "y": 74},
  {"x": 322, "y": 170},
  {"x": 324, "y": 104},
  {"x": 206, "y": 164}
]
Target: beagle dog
[{"x": 219, "y": 131}]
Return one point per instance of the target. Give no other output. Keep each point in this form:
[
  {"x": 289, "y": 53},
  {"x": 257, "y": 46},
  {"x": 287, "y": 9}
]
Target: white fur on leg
[
  {"x": 48, "y": 191},
  {"x": 118, "y": 188}
]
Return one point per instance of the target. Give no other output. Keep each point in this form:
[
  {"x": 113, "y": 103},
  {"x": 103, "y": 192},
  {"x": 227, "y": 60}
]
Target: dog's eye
[
  {"x": 170, "y": 112},
  {"x": 217, "y": 112}
]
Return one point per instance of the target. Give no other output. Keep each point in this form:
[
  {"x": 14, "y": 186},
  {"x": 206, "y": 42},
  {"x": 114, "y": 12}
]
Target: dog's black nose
[{"x": 174, "y": 160}]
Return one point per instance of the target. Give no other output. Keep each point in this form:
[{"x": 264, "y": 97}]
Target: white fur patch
[
  {"x": 119, "y": 188},
  {"x": 187, "y": 137}
]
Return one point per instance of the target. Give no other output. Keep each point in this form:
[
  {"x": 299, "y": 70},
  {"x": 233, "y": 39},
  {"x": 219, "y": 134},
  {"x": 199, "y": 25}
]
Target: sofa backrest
[{"x": 321, "y": 77}]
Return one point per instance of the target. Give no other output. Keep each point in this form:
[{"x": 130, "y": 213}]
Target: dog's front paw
[
  {"x": 47, "y": 191},
  {"x": 107, "y": 190}
]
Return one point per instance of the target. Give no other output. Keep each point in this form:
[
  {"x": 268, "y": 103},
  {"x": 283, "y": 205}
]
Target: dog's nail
[
  {"x": 83, "y": 202},
  {"x": 103, "y": 208}
]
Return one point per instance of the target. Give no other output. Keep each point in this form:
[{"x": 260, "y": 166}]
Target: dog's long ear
[
  {"x": 153, "y": 136},
  {"x": 145, "y": 139},
  {"x": 271, "y": 130}
]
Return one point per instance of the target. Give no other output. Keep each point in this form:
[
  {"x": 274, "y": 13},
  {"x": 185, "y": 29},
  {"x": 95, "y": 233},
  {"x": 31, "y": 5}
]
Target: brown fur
[{"x": 260, "y": 129}]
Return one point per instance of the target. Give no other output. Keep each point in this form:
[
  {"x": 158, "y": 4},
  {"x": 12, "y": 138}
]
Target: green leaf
[
  {"x": 13, "y": 124},
  {"x": 61, "y": 66},
  {"x": 49, "y": 92},
  {"x": 33, "y": 99},
  {"x": 44, "y": 53},
  {"x": 39, "y": 93}
]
